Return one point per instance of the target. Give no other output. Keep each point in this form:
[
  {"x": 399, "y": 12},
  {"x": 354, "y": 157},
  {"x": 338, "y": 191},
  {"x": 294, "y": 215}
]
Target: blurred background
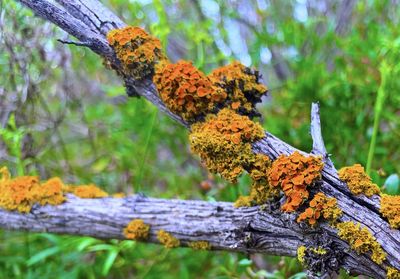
[{"x": 63, "y": 114}]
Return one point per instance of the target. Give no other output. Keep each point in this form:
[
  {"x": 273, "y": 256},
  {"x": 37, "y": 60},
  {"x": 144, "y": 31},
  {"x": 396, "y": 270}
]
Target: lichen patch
[{"x": 358, "y": 181}]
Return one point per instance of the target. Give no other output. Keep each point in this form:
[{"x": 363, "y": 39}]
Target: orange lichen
[
  {"x": 320, "y": 206},
  {"x": 21, "y": 193},
  {"x": 90, "y": 191},
  {"x": 390, "y": 208},
  {"x": 242, "y": 85},
  {"x": 186, "y": 91},
  {"x": 358, "y": 181},
  {"x": 138, "y": 51},
  {"x": 167, "y": 239},
  {"x": 361, "y": 240},
  {"x": 200, "y": 245},
  {"x": 137, "y": 230},
  {"x": 50, "y": 192},
  {"x": 393, "y": 273},
  {"x": 223, "y": 142},
  {"x": 293, "y": 174}
]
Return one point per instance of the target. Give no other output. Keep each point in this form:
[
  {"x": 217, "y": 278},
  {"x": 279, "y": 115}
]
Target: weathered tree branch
[{"x": 258, "y": 229}]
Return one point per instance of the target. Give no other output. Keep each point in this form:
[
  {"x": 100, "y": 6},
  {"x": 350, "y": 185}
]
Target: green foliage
[{"x": 69, "y": 118}]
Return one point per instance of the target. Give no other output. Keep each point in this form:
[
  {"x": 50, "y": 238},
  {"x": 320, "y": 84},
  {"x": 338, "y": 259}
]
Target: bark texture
[{"x": 261, "y": 229}]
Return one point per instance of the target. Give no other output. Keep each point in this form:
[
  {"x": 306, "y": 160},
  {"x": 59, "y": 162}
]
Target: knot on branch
[{"x": 321, "y": 258}]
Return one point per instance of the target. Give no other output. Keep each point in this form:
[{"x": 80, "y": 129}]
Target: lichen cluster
[
  {"x": 358, "y": 181},
  {"x": 167, "y": 239},
  {"x": 223, "y": 142},
  {"x": 393, "y": 273},
  {"x": 294, "y": 174},
  {"x": 320, "y": 206},
  {"x": 200, "y": 245},
  {"x": 390, "y": 209},
  {"x": 21, "y": 193},
  {"x": 242, "y": 85},
  {"x": 138, "y": 51},
  {"x": 186, "y": 91},
  {"x": 137, "y": 230},
  {"x": 361, "y": 240},
  {"x": 90, "y": 191}
]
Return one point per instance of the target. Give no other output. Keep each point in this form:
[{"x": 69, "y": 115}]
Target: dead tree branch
[{"x": 257, "y": 229}]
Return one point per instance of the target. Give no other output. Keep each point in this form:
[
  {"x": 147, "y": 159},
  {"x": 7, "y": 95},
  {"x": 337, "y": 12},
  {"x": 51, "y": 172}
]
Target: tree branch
[{"x": 258, "y": 229}]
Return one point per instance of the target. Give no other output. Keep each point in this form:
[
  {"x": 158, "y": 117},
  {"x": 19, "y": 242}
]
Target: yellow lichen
[
  {"x": 260, "y": 191},
  {"x": 21, "y": 193},
  {"x": 390, "y": 208},
  {"x": 242, "y": 85},
  {"x": 167, "y": 239},
  {"x": 293, "y": 174},
  {"x": 138, "y": 51},
  {"x": 358, "y": 181},
  {"x": 200, "y": 245},
  {"x": 361, "y": 240},
  {"x": 301, "y": 252},
  {"x": 320, "y": 206},
  {"x": 137, "y": 230},
  {"x": 90, "y": 191},
  {"x": 186, "y": 91},
  {"x": 119, "y": 195},
  {"x": 223, "y": 142},
  {"x": 393, "y": 273}
]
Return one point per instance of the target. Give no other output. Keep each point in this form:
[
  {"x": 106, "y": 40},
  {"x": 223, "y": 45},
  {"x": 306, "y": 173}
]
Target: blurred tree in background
[{"x": 63, "y": 114}]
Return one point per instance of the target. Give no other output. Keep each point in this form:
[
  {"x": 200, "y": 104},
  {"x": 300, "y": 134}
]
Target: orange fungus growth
[
  {"x": 358, "y": 181},
  {"x": 390, "y": 208},
  {"x": 186, "y": 91},
  {"x": 242, "y": 84},
  {"x": 137, "y": 230},
  {"x": 320, "y": 206},
  {"x": 167, "y": 239},
  {"x": 138, "y": 51},
  {"x": 361, "y": 240},
  {"x": 293, "y": 174},
  {"x": 223, "y": 142},
  {"x": 21, "y": 193}
]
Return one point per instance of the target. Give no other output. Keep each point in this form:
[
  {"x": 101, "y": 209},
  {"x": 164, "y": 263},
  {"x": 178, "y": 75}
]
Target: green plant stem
[{"x": 380, "y": 99}]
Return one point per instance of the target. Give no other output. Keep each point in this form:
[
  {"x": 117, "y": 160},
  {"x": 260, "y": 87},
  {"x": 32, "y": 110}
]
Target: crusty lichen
[
  {"x": 293, "y": 174},
  {"x": 119, "y": 195},
  {"x": 223, "y": 142},
  {"x": 186, "y": 91},
  {"x": 167, "y": 239},
  {"x": 301, "y": 252},
  {"x": 138, "y": 51},
  {"x": 390, "y": 208},
  {"x": 358, "y": 181},
  {"x": 393, "y": 273},
  {"x": 90, "y": 191},
  {"x": 200, "y": 245},
  {"x": 137, "y": 230},
  {"x": 21, "y": 193},
  {"x": 361, "y": 240},
  {"x": 320, "y": 206},
  {"x": 243, "y": 86},
  {"x": 260, "y": 191}
]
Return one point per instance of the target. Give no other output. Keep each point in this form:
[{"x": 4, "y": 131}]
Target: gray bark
[{"x": 261, "y": 229}]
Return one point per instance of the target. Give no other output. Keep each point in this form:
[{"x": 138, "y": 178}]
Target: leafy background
[{"x": 63, "y": 114}]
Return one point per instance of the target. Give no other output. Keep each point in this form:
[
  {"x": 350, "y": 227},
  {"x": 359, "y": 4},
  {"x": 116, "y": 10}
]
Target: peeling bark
[{"x": 261, "y": 229}]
